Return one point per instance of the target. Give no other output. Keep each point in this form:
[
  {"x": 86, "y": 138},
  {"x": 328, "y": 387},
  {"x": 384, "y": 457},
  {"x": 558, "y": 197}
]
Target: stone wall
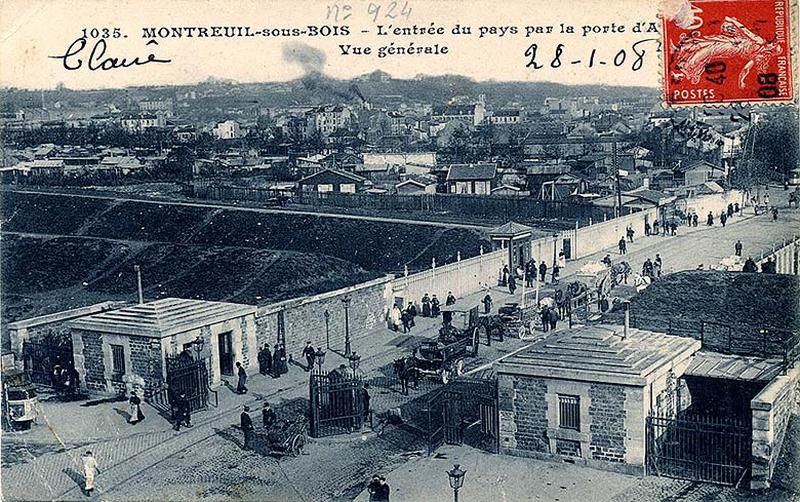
[
  {"x": 716, "y": 203},
  {"x": 93, "y": 365},
  {"x": 304, "y": 318},
  {"x": 523, "y": 415},
  {"x": 771, "y": 408},
  {"x": 146, "y": 361},
  {"x": 607, "y": 412}
]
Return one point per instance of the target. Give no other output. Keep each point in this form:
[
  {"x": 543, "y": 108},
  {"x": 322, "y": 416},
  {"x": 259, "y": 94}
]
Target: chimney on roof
[{"x": 627, "y": 325}]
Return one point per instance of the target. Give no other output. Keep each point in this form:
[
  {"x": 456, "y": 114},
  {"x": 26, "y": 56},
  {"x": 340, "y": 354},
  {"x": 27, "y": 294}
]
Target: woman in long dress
[{"x": 90, "y": 469}]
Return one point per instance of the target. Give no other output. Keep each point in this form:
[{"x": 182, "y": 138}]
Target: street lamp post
[
  {"x": 327, "y": 329},
  {"x": 355, "y": 361},
  {"x": 346, "y": 302},
  {"x": 198, "y": 343},
  {"x": 555, "y": 248},
  {"x": 456, "y": 478}
]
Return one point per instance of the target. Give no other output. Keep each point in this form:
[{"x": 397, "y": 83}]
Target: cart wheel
[
  {"x": 445, "y": 376},
  {"x": 459, "y": 367},
  {"x": 297, "y": 445},
  {"x": 476, "y": 340}
]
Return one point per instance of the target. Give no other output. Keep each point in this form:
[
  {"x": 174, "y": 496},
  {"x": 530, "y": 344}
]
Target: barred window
[
  {"x": 118, "y": 358},
  {"x": 569, "y": 412}
]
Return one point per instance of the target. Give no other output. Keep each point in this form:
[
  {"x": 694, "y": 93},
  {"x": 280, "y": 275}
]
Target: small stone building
[
  {"x": 584, "y": 394},
  {"x": 111, "y": 347}
]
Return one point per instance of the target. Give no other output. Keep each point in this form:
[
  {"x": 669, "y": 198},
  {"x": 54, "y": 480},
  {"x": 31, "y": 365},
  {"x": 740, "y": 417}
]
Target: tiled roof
[
  {"x": 600, "y": 354},
  {"x": 161, "y": 318},
  {"x": 510, "y": 228}
]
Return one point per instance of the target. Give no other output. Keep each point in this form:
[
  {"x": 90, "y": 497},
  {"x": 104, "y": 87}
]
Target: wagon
[
  {"x": 285, "y": 437},
  {"x": 458, "y": 337}
]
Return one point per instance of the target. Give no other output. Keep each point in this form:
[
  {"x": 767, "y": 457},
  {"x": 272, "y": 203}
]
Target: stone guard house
[
  {"x": 135, "y": 340},
  {"x": 584, "y": 394}
]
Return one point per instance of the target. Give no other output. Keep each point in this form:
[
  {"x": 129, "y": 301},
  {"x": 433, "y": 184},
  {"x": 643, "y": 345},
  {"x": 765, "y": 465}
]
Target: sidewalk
[{"x": 492, "y": 477}]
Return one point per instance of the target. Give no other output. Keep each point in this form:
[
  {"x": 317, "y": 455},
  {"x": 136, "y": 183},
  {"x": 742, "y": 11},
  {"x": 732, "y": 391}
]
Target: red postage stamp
[{"x": 727, "y": 51}]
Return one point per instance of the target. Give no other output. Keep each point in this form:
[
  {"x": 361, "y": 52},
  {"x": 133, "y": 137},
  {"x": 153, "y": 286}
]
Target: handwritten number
[
  {"x": 530, "y": 52},
  {"x": 390, "y": 12},
  {"x": 374, "y": 10},
  {"x": 619, "y": 59},
  {"x": 591, "y": 58},
  {"x": 406, "y": 11},
  {"x": 556, "y": 62}
]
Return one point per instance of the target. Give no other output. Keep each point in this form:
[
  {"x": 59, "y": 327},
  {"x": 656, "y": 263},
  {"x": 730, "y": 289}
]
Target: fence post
[
  {"x": 730, "y": 338},
  {"x": 702, "y": 334}
]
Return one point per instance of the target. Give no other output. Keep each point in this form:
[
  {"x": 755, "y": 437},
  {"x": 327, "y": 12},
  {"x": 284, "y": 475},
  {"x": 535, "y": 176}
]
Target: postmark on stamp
[{"x": 727, "y": 51}]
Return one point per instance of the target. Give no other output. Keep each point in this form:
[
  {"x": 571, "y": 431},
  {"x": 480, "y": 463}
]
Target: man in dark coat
[
  {"x": 710, "y": 219},
  {"x": 723, "y": 218},
  {"x": 530, "y": 273},
  {"x": 750, "y": 266},
  {"x": 265, "y": 360},
  {"x": 241, "y": 386},
  {"x": 435, "y": 306},
  {"x": 426, "y": 305},
  {"x": 542, "y": 271},
  {"x": 694, "y": 219},
  {"x": 545, "y": 319},
  {"x": 405, "y": 318},
  {"x": 247, "y": 428},
  {"x": 738, "y": 248},
  {"x": 556, "y": 272},
  {"x": 183, "y": 412},
  {"x": 284, "y": 367},
  {"x": 276, "y": 362},
  {"x": 268, "y": 415},
  {"x": 451, "y": 300},
  {"x": 487, "y": 304},
  {"x": 512, "y": 284},
  {"x": 504, "y": 279},
  {"x": 622, "y": 246},
  {"x": 552, "y": 316},
  {"x": 309, "y": 354}
]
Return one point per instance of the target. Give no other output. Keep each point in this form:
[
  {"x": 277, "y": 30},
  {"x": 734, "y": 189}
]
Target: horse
[{"x": 406, "y": 371}]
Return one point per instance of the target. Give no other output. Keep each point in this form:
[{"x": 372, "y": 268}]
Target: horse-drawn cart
[
  {"x": 285, "y": 437},
  {"x": 459, "y": 337}
]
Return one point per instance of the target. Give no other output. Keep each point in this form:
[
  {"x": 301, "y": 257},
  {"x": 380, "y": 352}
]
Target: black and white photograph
[{"x": 423, "y": 250}]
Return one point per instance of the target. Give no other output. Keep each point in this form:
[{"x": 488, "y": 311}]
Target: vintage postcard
[{"x": 417, "y": 250}]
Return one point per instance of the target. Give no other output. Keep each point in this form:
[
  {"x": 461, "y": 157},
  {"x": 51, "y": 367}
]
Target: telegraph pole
[
  {"x": 138, "y": 270},
  {"x": 618, "y": 204}
]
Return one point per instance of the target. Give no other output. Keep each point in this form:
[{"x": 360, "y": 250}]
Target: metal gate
[
  {"x": 699, "y": 448},
  {"x": 188, "y": 376},
  {"x": 40, "y": 357},
  {"x": 336, "y": 404},
  {"x": 435, "y": 406},
  {"x": 471, "y": 413}
]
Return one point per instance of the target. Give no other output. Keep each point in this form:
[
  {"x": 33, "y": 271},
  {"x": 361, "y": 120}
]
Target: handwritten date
[{"x": 561, "y": 56}]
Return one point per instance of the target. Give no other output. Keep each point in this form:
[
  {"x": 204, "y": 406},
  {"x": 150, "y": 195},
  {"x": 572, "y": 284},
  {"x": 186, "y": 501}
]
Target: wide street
[{"x": 150, "y": 460}]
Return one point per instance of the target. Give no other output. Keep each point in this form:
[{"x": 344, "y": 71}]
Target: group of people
[
  {"x": 273, "y": 363},
  {"x": 652, "y": 268},
  {"x": 268, "y": 418},
  {"x": 550, "y": 318},
  {"x": 431, "y": 307},
  {"x": 724, "y": 216},
  {"x": 405, "y": 317},
  {"x": 378, "y": 489},
  {"x": 530, "y": 272},
  {"x": 66, "y": 381}
]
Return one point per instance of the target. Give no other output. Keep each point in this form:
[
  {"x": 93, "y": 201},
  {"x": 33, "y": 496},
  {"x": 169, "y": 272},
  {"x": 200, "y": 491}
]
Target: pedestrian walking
[
  {"x": 647, "y": 269},
  {"x": 487, "y": 304},
  {"x": 512, "y": 284},
  {"x": 309, "y": 354},
  {"x": 545, "y": 316},
  {"x": 426, "y": 305},
  {"x": 530, "y": 273},
  {"x": 542, "y": 271},
  {"x": 647, "y": 228},
  {"x": 412, "y": 314},
  {"x": 182, "y": 412},
  {"x": 504, "y": 278},
  {"x": 673, "y": 226},
  {"x": 395, "y": 317},
  {"x": 265, "y": 360},
  {"x": 374, "y": 487},
  {"x": 710, "y": 219},
  {"x": 655, "y": 227},
  {"x": 730, "y": 210},
  {"x": 241, "y": 386},
  {"x": 451, "y": 300},
  {"x": 562, "y": 259},
  {"x": 694, "y": 219},
  {"x": 607, "y": 260},
  {"x": 283, "y": 367},
  {"x": 405, "y": 319},
  {"x": 629, "y": 232},
  {"x": 247, "y": 428},
  {"x": 135, "y": 405},
  {"x": 552, "y": 316},
  {"x": 622, "y": 246},
  {"x": 657, "y": 265},
  {"x": 737, "y": 248},
  {"x": 435, "y": 306},
  {"x": 736, "y": 208},
  {"x": 774, "y": 214},
  {"x": 723, "y": 218},
  {"x": 556, "y": 272},
  {"x": 90, "y": 470}
]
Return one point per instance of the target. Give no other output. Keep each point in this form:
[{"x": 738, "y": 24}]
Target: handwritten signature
[{"x": 98, "y": 60}]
